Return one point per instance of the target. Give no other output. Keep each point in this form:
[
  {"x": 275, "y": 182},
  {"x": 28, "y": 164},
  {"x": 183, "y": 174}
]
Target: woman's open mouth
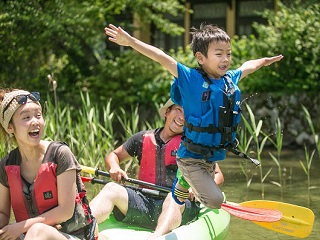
[{"x": 34, "y": 133}]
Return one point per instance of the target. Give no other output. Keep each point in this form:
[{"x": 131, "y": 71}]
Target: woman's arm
[
  {"x": 66, "y": 183},
  {"x": 5, "y": 206}
]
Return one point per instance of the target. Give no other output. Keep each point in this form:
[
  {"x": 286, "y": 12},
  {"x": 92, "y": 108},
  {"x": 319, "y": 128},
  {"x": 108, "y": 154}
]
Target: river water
[{"x": 295, "y": 191}]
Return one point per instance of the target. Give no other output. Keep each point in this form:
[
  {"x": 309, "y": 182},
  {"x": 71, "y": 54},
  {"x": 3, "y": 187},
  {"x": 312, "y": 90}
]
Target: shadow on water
[{"x": 295, "y": 191}]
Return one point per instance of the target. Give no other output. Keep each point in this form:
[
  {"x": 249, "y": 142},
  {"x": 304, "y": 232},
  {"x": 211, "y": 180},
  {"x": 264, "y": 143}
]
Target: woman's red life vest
[
  {"x": 42, "y": 195},
  {"x": 41, "y": 198},
  {"x": 158, "y": 164}
]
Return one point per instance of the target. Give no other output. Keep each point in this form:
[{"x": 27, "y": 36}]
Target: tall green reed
[
  {"x": 277, "y": 159},
  {"x": 254, "y": 130},
  {"x": 87, "y": 130},
  {"x": 244, "y": 145},
  {"x": 312, "y": 129},
  {"x": 307, "y": 168},
  {"x": 54, "y": 84}
]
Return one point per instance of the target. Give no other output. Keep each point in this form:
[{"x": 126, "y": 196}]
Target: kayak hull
[{"x": 212, "y": 224}]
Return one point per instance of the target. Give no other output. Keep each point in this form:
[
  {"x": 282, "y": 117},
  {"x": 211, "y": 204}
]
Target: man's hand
[{"x": 117, "y": 174}]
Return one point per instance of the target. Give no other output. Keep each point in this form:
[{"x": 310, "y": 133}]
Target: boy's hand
[
  {"x": 270, "y": 60},
  {"x": 251, "y": 66},
  {"x": 117, "y": 35}
]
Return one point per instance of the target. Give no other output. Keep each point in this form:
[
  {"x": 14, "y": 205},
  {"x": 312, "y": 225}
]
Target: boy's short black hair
[{"x": 206, "y": 34}]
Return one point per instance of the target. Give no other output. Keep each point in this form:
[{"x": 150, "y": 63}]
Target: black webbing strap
[
  {"x": 205, "y": 151},
  {"x": 226, "y": 118},
  {"x": 204, "y": 75},
  {"x": 208, "y": 152},
  {"x": 243, "y": 155},
  {"x": 210, "y": 128}
]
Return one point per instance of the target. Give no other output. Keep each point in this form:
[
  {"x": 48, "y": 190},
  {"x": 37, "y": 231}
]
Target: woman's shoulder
[
  {"x": 57, "y": 150},
  {"x": 45, "y": 144}
]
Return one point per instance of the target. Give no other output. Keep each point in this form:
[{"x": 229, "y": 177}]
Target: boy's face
[{"x": 218, "y": 59}]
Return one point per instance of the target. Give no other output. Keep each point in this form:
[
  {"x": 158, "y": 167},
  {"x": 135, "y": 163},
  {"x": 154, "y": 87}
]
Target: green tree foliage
[
  {"x": 41, "y": 37},
  {"x": 294, "y": 32},
  {"x": 132, "y": 78},
  {"x": 66, "y": 38}
]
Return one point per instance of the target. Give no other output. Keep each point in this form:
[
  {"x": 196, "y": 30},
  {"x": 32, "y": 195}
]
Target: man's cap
[{"x": 163, "y": 109}]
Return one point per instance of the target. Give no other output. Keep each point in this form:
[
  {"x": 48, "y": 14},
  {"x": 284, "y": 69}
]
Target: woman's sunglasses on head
[
  {"x": 23, "y": 99},
  {"x": 33, "y": 96}
]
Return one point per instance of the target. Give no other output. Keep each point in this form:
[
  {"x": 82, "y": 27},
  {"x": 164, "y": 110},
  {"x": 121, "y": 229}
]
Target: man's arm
[
  {"x": 253, "y": 65},
  {"x": 113, "y": 161},
  {"x": 121, "y": 37}
]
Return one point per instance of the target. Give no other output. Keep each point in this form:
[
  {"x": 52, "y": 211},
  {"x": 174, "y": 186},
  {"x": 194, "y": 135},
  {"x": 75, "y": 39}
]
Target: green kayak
[{"x": 211, "y": 224}]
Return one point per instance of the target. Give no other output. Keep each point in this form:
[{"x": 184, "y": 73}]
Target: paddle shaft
[
  {"x": 98, "y": 172},
  {"x": 247, "y": 213},
  {"x": 151, "y": 192},
  {"x": 163, "y": 191}
]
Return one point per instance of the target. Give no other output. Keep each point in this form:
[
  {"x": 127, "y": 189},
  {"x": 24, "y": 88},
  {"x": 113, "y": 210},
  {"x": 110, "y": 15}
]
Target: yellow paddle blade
[{"x": 296, "y": 221}]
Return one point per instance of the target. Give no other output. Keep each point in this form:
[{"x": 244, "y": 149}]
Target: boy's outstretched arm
[
  {"x": 253, "y": 65},
  {"x": 121, "y": 37}
]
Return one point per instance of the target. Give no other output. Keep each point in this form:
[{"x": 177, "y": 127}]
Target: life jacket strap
[
  {"x": 210, "y": 128},
  {"x": 235, "y": 151},
  {"x": 208, "y": 152}
]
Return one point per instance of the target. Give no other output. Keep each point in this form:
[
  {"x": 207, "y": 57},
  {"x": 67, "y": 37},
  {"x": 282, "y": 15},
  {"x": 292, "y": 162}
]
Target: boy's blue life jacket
[{"x": 216, "y": 130}]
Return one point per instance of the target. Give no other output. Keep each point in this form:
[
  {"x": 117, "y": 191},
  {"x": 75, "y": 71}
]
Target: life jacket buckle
[{"x": 227, "y": 130}]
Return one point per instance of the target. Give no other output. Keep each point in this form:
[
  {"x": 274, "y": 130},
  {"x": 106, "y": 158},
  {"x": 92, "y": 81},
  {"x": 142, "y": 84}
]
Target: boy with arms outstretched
[{"x": 210, "y": 98}]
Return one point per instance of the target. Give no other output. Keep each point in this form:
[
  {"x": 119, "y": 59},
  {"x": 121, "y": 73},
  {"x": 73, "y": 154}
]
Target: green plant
[
  {"x": 254, "y": 131},
  {"x": 293, "y": 31},
  {"x": 278, "y": 144},
  {"x": 307, "y": 167},
  {"x": 88, "y": 130},
  {"x": 312, "y": 129},
  {"x": 244, "y": 145}
]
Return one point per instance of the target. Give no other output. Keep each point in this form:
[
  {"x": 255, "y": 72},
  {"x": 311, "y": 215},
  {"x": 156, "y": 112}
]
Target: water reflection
[{"x": 295, "y": 191}]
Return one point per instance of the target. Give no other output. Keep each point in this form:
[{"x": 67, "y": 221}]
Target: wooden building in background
[{"x": 234, "y": 16}]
